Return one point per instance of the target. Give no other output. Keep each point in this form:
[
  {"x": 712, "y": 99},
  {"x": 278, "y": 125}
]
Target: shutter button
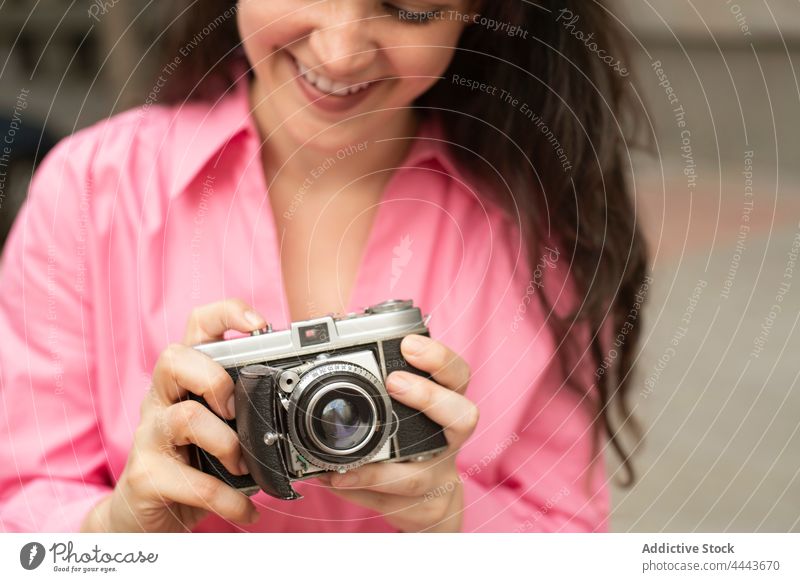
[{"x": 263, "y": 330}]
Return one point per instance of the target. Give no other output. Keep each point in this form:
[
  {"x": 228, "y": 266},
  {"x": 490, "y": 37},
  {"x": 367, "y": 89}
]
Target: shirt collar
[{"x": 202, "y": 133}]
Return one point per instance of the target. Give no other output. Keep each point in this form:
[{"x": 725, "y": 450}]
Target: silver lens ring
[
  {"x": 310, "y": 416},
  {"x": 296, "y": 414}
]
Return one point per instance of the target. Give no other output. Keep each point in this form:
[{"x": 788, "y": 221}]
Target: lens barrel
[{"x": 340, "y": 416}]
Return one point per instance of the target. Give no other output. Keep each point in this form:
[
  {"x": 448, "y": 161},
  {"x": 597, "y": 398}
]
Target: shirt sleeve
[
  {"x": 547, "y": 476},
  {"x": 52, "y": 461}
]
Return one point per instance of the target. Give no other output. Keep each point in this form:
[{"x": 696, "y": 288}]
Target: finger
[
  {"x": 456, "y": 413},
  {"x": 404, "y": 479},
  {"x": 209, "y": 322},
  {"x": 394, "y": 507},
  {"x": 447, "y": 367},
  {"x": 188, "y": 486},
  {"x": 190, "y": 422},
  {"x": 405, "y": 513},
  {"x": 181, "y": 370}
]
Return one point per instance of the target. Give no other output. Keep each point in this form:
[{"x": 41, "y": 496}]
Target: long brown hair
[{"x": 564, "y": 176}]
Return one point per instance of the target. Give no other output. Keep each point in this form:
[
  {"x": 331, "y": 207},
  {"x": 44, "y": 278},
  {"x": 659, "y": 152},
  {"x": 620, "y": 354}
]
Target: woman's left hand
[{"x": 421, "y": 496}]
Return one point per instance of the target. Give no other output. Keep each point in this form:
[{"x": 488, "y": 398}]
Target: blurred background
[{"x": 718, "y": 390}]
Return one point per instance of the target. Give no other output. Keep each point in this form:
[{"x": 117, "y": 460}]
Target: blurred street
[{"x": 722, "y": 407}]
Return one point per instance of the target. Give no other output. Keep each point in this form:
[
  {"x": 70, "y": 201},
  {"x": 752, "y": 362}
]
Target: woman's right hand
[{"x": 158, "y": 490}]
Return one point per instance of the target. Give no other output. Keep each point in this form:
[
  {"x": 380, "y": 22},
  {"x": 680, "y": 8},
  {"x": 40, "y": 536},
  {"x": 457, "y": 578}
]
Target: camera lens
[
  {"x": 341, "y": 418},
  {"x": 342, "y": 425}
]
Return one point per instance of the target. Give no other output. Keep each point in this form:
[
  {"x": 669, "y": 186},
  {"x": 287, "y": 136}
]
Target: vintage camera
[{"x": 311, "y": 399}]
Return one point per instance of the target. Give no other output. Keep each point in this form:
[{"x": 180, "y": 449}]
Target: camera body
[{"x": 311, "y": 399}]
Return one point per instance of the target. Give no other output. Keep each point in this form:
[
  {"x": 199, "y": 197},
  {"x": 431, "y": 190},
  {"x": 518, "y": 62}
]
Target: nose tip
[
  {"x": 346, "y": 64},
  {"x": 343, "y": 50}
]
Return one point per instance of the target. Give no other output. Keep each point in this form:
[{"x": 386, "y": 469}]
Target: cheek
[
  {"x": 420, "y": 68},
  {"x": 425, "y": 61},
  {"x": 262, "y": 27},
  {"x": 422, "y": 57}
]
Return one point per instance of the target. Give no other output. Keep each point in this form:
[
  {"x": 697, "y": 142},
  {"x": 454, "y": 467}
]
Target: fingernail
[
  {"x": 346, "y": 480},
  {"x": 231, "y": 407},
  {"x": 399, "y": 382},
  {"x": 254, "y": 319},
  {"x": 243, "y": 467},
  {"x": 415, "y": 343}
]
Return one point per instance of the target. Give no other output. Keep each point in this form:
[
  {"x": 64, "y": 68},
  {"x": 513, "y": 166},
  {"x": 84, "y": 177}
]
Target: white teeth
[
  {"x": 324, "y": 84},
  {"x": 340, "y": 89},
  {"x": 327, "y": 85}
]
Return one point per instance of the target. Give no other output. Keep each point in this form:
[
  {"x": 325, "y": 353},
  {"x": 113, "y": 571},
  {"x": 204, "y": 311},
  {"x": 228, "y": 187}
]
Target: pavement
[{"x": 717, "y": 387}]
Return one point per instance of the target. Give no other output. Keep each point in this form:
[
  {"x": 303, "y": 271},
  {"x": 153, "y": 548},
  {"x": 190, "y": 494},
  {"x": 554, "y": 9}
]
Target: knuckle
[
  {"x": 425, "y": 396},
  {"x": 186, "y": 414},
  {"x": 413, "y": 485},
  {"x": 438, "y": 351},
  {"x": 161, "y": 426},
  {"x": 134, "y": 479},
  {"x": 195, "y": 316},
  {"x": 383, "y": 503},
  {"x": 218, "y": 378},
  {"x": 148, "y": 405},
  {"x": 437, "y": 510},
  {"x": 139, "y": 479},
  {"x": 235, "y": 303},
  {"x": 193, "y": 412},
  {"x": 229, "y": 308},
  {"x": 229, "y": 444},
  {"x": 141, "y": 432},
  {"x": 150, "y": 431},
  {"x": 209, "y": 491},
  {"x": 169, "y": 358},
  {"x": 170, "y": 450},
  {"x": 470, "y": 418},
  {"x": 460, "y": 371},
  {"x": 474, "y": 415}
]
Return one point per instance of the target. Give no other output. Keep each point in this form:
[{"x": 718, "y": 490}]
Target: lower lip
[{"x": 327, "y": 102}]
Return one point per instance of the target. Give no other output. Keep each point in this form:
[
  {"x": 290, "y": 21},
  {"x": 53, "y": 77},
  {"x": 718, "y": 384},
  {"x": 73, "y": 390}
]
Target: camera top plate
[{"x": 389, "y": 319}]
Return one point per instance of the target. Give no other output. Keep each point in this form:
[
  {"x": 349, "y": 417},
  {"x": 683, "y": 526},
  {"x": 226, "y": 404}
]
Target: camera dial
[{"x": 390, "y": 306}]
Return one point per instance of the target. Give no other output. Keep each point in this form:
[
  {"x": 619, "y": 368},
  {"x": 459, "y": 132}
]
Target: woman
[{"x": 296, "y": 159}]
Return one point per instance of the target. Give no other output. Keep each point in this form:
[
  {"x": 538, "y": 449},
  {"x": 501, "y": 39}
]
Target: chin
[
  {"x": 330, "y": 136},
  {"x": 329, "y": 140}
]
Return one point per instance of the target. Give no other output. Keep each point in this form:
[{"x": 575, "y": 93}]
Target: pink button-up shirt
[{"x": 133, "y": 222}]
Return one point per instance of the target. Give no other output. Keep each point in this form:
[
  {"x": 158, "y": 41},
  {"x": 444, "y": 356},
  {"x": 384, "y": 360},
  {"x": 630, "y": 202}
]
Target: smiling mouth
[{"x": 328, "y": 86}]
